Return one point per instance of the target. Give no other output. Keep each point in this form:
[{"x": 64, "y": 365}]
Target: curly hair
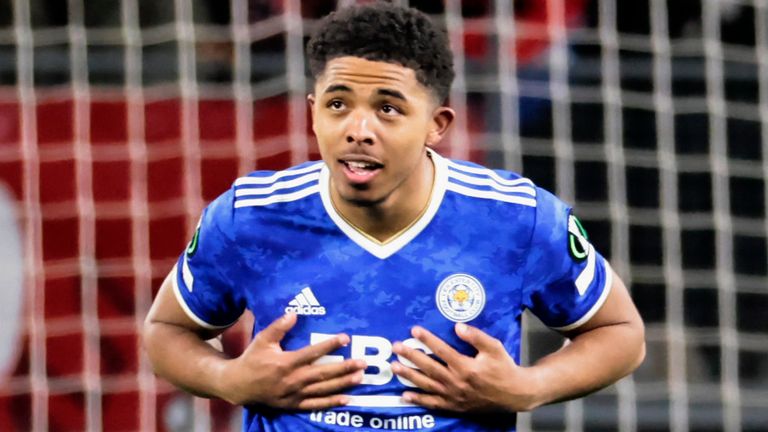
[{"x": 389, "y": 33}]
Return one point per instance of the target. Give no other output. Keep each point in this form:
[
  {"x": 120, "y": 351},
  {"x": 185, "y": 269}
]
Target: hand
[
  {"x": 266, "y": 374},
  {"x": 490, "y": 381}
]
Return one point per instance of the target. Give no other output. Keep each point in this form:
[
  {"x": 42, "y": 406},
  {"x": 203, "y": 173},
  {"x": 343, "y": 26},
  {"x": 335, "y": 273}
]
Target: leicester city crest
[{"x": 460, "y": 297}]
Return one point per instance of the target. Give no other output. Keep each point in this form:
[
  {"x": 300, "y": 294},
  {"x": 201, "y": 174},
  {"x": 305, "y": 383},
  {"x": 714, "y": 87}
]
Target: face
[{"x": 373, "y": 121}]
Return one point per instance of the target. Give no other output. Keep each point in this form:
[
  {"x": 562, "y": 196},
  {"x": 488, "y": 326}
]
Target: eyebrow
[
  {"x": 383, "y": 91},
  {"x": 337, "y": 88},
  {"x": 393, "y": 93}
]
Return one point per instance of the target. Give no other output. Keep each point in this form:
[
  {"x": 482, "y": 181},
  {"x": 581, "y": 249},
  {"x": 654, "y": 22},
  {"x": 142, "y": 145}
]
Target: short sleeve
[
  {"x": 204, "y": 292},
  {"x": 566, "y": 279}
]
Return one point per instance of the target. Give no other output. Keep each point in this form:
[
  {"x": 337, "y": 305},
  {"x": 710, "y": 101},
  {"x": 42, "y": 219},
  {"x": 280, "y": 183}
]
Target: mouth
[{"x": 360, "y": 169}]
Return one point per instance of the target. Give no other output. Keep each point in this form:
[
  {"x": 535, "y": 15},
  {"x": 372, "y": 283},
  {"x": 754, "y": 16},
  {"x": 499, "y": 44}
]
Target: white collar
[{"x": 391, "y": 246}]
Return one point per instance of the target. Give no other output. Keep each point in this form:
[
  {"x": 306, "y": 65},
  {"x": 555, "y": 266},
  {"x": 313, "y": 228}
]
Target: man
[{"x": 387, "y": 282}]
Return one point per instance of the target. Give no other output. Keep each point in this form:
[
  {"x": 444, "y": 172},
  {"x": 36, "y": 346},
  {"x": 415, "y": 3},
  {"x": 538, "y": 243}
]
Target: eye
[
  {"x": 389, "y": 109},
  {"x": 336, "y": 105}
]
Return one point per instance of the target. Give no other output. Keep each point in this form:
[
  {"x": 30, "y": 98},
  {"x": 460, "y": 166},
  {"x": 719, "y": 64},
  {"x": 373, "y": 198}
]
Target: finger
[
  {"x": 275, "y": 332},
  {"x": 422, "y": 361},
  {"x": 309, "y": 374},
  {"x": 429, "y": 401},
  {"x": 313, "y": 404},
  {"x": 418, "y": 379},
  {"x": 479, "y": 339},
  {"x": 311, "y": 353},
  {"x": 334, "y": 385},
  {"x": 441, "y": 349}
]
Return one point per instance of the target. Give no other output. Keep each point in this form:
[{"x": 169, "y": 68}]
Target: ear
[
  {"x": 311, "y": 102},
  {"x": 311, "y": 105},
  {"x": 442, "y": 119}
]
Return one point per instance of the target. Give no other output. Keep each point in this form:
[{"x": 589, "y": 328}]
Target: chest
[{"x": 441, "y": 277}]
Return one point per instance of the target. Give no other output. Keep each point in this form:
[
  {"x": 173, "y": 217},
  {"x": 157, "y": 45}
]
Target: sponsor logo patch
[
  {"x": 460, "y": 297},
  {"x": 192, "y": 248},
  {"x": 305, "y": 303},
  {"x": 578, "y": 243}
]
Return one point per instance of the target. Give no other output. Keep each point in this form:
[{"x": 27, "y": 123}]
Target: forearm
[
  {"x": 591, "y": 361},
  {"x": 183, "y": 358}
]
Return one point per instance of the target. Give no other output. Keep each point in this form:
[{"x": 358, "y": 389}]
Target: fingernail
[
  {"x": 407, "y": 397},
  {"x": 357, "y": 378},
  {"x": 343, "y": 339},
  {"x": 416, "y": 332},
  {"x": 396, "y": 347},
  {"x": 343, "y": 400},
  {"x": 395, "y": 367},
  {"x": 462, "y": 328}
]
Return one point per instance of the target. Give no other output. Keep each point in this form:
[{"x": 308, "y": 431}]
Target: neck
[{"x": 402, "y": 208}]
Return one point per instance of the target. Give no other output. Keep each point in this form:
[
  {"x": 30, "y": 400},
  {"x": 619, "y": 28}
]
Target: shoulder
[
  {"x": 476, "y": 181},
  {"x": 260, "y": 190},
  {"x": 533, "y": 205},
  {"x": 264, "y": 188}
]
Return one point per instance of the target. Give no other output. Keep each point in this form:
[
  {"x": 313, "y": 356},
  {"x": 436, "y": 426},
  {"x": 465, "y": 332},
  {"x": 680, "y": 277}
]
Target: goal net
[{"x": 120, "y": 120}]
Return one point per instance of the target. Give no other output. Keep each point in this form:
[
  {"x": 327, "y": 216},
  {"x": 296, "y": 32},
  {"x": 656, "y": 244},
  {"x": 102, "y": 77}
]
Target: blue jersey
[{"x": 489, "y": 245}]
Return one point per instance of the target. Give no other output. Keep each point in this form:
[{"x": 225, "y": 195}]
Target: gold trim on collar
[{"x": 407, "y": 227}]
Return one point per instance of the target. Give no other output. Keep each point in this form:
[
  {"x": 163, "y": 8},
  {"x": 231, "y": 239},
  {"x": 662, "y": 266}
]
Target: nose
[{"x": 359, "y": 130}]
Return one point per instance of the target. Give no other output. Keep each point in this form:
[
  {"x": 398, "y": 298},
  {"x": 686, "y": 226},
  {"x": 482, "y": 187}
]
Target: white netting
[{"x": 119, "y": 120}]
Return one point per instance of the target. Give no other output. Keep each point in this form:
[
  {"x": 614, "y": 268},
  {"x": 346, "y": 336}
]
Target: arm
[
  {"x": 263, "y": 373},
  {"x": 604, "y": 349},
  {"x": 171, "y": 339}
]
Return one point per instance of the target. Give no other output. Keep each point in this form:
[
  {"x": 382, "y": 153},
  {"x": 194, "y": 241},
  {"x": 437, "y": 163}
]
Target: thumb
[
  {"x": 275, "y": 332},
  {"x": 482, "y": 341}
]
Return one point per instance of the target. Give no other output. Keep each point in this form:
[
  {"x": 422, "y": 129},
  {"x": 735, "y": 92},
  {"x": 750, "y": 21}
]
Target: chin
[
  {"x": 362, "y": 201},
  {"x": 361, "y": 197}
]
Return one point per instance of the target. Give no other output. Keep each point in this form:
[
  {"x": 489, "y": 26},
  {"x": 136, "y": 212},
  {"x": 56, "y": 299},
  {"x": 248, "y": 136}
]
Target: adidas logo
[{"x": 305, "y": 303}]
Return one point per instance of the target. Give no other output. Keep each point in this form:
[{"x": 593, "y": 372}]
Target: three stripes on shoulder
[
  {"x": 261, "y": 191},
  {"x": 297, "y": 183}
]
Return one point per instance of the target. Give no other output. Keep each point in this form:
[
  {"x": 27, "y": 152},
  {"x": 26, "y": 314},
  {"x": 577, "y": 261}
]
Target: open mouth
[
  {"x": 361, "y": 171},
  {"x": 361, "y": 168}
]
